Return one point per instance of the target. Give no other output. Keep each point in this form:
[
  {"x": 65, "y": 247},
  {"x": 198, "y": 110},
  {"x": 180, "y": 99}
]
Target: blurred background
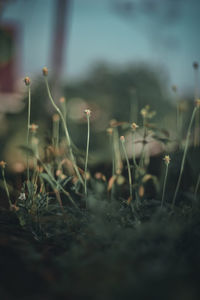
[{"x": 113, "y": 56}]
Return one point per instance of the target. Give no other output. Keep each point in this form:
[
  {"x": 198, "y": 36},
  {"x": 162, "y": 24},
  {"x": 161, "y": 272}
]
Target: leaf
[
  {"x": 48, "y": 179},
  {"x": 65, "y": 181}
]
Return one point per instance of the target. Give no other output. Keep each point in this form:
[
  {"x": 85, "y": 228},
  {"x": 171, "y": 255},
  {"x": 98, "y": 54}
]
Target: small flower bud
[
  {"x": 134, "y": 126},
  {"x": 27, "y": 81},
  {"x": 87, "y": 112},
  {"x": 62, "y": 100},
  {"x": 33, "y": 128},
  {"x": 167, "y": 159},
  {"x": 45, "y": 71},
  {"x": 122, "y": 139},
  {"x": 2, "y": 164},
  {"x": 56, "y": 118},
  {"x": 109, "y": 131}
]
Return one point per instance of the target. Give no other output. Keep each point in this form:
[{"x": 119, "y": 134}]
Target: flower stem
[
  {"x": 164, "y": 185},
  {"x": 184, "y": 155},
  {"x": 87, "y": 151},
  {"x": 129, "y": 170},
  {"x": 6, "y": 188},
  {"x": 28, "y": 128},
  {"x": 66, "y": 132},
  {"x": 197, "y": 187}
]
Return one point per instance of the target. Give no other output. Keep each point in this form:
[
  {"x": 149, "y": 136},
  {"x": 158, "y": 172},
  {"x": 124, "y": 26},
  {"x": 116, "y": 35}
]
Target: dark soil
[{"x": 109, "y": 253}]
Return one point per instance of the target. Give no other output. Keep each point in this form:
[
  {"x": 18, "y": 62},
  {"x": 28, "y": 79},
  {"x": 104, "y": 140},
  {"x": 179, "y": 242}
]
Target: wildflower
[
  {"x": 146, "y": 113},
  {"x": 33, "y": 127},
  {"x": 27, "y": 81},
  {"x": 167, "y": 159},
  {"x": 134, "y": 126},
  {"x": 45, "y": 71},
  {"x": 2, "y": 164},
  {"x": 143, "y": 112},
  {"x": 87, "y": 112},
  {"x": 22, "y": 196}
]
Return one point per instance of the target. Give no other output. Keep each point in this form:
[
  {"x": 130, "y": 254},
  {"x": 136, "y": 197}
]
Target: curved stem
[
  {"x": 66, "y": 132},
  {"x": 184, "y": 156}
]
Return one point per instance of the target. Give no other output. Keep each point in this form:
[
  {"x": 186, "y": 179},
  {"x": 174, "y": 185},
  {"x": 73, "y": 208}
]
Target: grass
[{"x": 80, "y": 241}]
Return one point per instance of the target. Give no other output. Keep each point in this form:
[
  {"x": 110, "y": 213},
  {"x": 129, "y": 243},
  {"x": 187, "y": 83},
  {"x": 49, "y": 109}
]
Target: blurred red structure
[{"x": 8, "y": 40}]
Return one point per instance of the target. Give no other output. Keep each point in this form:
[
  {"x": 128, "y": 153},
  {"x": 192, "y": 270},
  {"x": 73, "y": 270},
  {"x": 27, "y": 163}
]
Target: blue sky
[{"x": 97, "y": 33}]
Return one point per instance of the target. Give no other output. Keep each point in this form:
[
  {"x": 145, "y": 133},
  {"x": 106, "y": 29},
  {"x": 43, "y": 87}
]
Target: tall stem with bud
[
  {"x": 27, "y": 83},
  {"x": 45, "y": 73},
  {"x": 88, "y": 113}
]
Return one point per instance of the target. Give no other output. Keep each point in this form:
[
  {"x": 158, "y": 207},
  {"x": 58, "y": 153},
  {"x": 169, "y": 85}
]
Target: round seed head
[
  {"x": 45, "y": 71},
  {"x": 27, "y": 81}
]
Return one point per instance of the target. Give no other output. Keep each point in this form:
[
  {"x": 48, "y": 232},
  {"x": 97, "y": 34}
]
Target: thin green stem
[
  {"x": 28, "y": 129},
  {"x": 66, "y": 132},
  {"x": 133, "y": 150},
  {"x": 164, "y": 185},
  {"x": 197, "y": 187},
  {"x": 87, "y": 151},
  {"x": 129, "y": 170},
  {"x": 6, "y": 187},
  {"x": 55, "y": 132},
  {"x": 184, "y": 155}
]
